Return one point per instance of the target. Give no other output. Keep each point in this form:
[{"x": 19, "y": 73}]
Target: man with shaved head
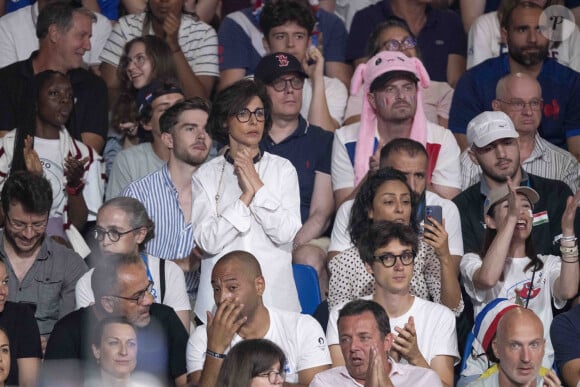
[
  {"x": 238, "y": 286},
  {"x": 519, "y": 96},
  {"x": 519, "y": 345}
]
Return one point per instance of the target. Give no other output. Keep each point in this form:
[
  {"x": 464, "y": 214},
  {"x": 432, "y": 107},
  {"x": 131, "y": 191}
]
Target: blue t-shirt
[
  {"x": 13, "y": 5},
  {"x": 237, "y": 49},
  {"x": 560, "y": 90},
  {"x": 442, "y": 35},
  {"x": 309, "y": 149}
]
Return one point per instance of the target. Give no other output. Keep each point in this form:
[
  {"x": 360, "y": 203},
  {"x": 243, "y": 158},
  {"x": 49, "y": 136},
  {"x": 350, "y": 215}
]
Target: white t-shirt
[
  {"x": 340, "y": 238},
  {"x": 299, "y": 335},
  {"x": 336, "y": 97},
  {"x": 515, "y": 287},
  {"x": 447, "y": 168},
  {"x": 434, "y": 324},
  {"x": 175, "y": 292}
]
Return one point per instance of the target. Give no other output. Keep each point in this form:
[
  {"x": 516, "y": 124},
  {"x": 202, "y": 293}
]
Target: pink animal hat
[{"x": 379, "y": 65}]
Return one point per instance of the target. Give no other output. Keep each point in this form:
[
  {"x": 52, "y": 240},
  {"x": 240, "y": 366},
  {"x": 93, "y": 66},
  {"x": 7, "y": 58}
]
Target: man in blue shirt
[
  {"x": 528, "y": 50},
  {"x": 308, "y": 148}
]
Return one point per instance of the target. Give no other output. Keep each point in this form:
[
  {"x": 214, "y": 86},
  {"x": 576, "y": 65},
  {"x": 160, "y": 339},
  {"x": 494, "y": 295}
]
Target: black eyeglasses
[
  {"x": 389, "y": 260},
  {"x": 519, "y": 104},
  {"x": 114, "y": 235},
  {"x": 273, "y": 376},
  {"x": 395, "y": 45},
  {"x": 245, "y": 114},
  {"x": 140, "y": 296},
  {"x": 296, "y": 83}
]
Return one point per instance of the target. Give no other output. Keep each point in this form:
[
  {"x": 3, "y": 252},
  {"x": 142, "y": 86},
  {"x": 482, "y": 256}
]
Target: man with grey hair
[
  {"x": 63, "y": 30},
  {"x": 519, "y": 95}
]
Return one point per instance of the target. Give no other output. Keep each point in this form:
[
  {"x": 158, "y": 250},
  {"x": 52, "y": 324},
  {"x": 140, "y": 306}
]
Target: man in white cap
[
  {"x": 392, "y": 109},
  {"x": 519, "y": 96},
  {"x": 493, "y": 145}
]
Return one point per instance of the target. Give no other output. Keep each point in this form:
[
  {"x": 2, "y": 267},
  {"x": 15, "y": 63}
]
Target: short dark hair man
[
  {"x": 139, "y": 160},
  {"x": 166, "y": 193},
  {"x": 63, "y": 30},
  {"x": 41, "y": 272},
  {"x": 365, "y": 341},
  {"x": 308, "y": 147},
  {"x": 528, "y": 49},
  {"x": 122, "y": 289},
  {"x": 238, "y": 286},
  {"x": 241, "y": 44},
  {"x": 392, "y": 108},
  {"x": 426, "y": 334}
]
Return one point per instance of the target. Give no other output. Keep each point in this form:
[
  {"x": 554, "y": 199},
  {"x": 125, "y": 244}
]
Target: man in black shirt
[{"x": 122, "y": 288}]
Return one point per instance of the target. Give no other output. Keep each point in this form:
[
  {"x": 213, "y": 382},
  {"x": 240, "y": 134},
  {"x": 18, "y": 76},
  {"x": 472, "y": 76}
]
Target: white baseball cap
[{"x": 488, "y": 127}]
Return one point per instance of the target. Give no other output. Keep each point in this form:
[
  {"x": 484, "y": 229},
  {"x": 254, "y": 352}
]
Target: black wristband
[{"x": 215, "y": 355}]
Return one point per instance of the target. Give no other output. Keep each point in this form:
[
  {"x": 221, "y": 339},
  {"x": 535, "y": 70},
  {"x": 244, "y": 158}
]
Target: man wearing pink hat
[{"x": 392, "y": 109}]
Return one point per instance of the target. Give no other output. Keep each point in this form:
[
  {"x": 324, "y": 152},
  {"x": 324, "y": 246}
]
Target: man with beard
[
  {"x": 392, "y": 108},
  {"x": 493, "y": 145},
  {"x": 166, "y": 193},
  {"x": 520, "y": 97},
  {"x": 41, "y": 273},
  {"x": 528, "y": 49},
  {"x": 140, "y": 160}
]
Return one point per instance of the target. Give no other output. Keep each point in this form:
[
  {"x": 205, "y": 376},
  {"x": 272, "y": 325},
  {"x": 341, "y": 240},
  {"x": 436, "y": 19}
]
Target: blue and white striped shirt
[{"x": 173, "y": 237}]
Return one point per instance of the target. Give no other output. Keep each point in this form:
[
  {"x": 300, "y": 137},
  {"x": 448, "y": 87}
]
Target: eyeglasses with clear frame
[
  {"x": 274, "y": 377},
  {"x": 21, "y": 226},
  {"x": 280, "y": 84},
  {"x": 519, "y": 104},
  {"x": 138, "y": 60},
  {"x": 389, "y": 260},
  {"x": 396, "y": 45},
  {"x": 113, "y": 235},
  {"x": 245, "y": 114},
  {"x": 138, "y": 299}
]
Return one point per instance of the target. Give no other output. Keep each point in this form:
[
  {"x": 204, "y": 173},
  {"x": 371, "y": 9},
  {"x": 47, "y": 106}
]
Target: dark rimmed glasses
[
  {"x": 140, "y": 296},
  {"x": 297, "y": 83},
  {"x": 113, "y": 235},
  {"x": 245, "y": 114},
  {"x": 273, "y": 376},
  {"x": 389, "y": 260}
]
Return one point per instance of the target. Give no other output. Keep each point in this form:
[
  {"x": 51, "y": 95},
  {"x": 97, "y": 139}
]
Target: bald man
[
  {"x": 238, "y": 286},
  {"x": 519, "y": 346},
  {"x": 519, "y": 96}
]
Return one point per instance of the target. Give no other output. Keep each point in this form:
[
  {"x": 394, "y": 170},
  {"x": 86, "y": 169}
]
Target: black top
[
  {"x": 162, "y": 344},
  {"x": 18, "y": 100},
  {"x": 19, "y": 323},
  {"x": 553, "y": 195}
]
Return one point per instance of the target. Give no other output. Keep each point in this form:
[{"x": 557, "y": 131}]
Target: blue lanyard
[{"x": 149, "y": 276}]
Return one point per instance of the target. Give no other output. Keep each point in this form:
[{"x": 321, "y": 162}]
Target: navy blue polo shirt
[
  {"x": 309, "y": 149},
  {"x": 560, "y": 91},
  {"x": 442, "y": 35}
]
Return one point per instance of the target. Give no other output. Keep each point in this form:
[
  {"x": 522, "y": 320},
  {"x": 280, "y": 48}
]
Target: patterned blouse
[{"x": 349, "y": 279}]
